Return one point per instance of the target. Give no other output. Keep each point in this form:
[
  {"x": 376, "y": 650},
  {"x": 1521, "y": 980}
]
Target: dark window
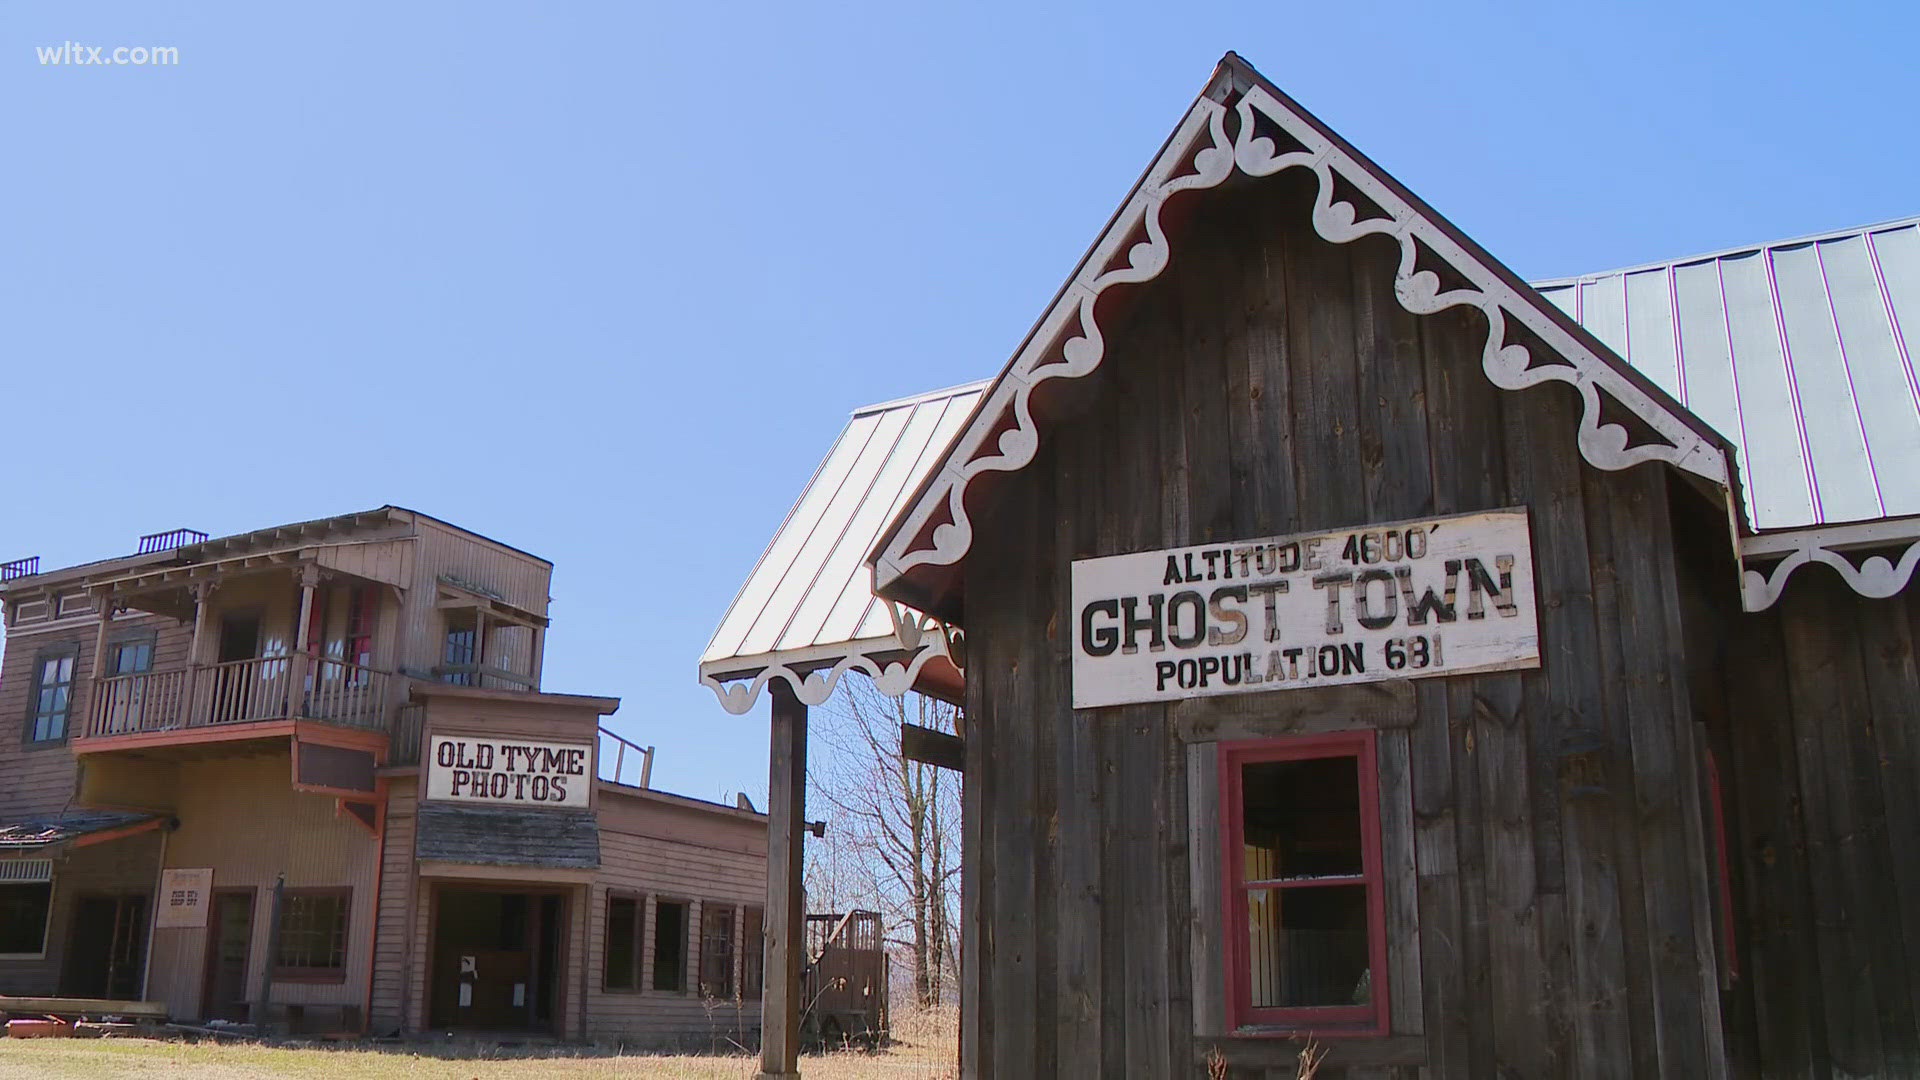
[
  {"x": 716, "y": 951},
  {"x": 23, "y": 918},
  {"x": 461, "y": 649},
  {"x": 1305, "y": 909},
  {"x": 622, "y": 967},
  {"x": 131, "y": 656},
  {"x": 670, "y": 945},
  {"x": 52, "y": 699},
  {"x": 313, "y": 934},
  {"x": 754, "y": 939}
]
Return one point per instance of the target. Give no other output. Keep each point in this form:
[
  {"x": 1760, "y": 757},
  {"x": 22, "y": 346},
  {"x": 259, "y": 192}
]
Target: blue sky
[{"x": 604, "y": 280}]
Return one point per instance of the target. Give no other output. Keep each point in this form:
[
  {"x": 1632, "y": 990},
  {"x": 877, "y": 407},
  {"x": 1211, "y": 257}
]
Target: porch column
[
  {"x": 201, "y": 609},
  {"x": 786, "y": 900},
  {"x": 94, "y": 705},
  {"x": 298, "y": 672},
  {"x": 479, "y": 646},
  {"x": 197, "y": 701}
]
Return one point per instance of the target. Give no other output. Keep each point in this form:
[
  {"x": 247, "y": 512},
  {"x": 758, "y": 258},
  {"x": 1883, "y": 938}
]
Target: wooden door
[
  {"x": 105, "y": 947},
  {"x": 229, "y": 946}
]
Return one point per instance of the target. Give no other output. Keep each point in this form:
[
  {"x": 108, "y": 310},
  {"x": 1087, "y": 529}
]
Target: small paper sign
[{"x": 184, "y": 896}]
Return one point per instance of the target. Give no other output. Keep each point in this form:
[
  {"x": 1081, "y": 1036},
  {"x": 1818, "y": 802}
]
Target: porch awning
[
  {"x": 807, "y": 613},
  {"x": 505, "y": 836},
  {"x": 79, "y": 829}
]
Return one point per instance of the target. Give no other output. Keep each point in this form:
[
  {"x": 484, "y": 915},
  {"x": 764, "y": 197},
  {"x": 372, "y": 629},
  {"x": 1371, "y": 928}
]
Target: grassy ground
[{"x": 924, "y": 1049}]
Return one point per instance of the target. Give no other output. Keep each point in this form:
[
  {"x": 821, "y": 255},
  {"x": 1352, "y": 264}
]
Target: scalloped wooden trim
[
  {"x": 923, "y": 637},
  {"x": 1006, "y": 415},
  {"x": 1877, "y": 577}
]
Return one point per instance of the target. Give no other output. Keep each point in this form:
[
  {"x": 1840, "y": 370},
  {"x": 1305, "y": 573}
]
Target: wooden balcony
[{"x": 225, "y": 697}]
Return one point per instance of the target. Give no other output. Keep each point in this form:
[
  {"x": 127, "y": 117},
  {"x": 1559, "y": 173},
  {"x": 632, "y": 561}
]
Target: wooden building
[
  {"x": 1360, "y": 643},
  {"x": 307, "y": 777}
]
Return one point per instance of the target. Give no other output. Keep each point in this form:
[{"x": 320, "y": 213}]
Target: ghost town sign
[
  {"x": 468, "y": 768},
  {"x": 1438, "y": 596}
]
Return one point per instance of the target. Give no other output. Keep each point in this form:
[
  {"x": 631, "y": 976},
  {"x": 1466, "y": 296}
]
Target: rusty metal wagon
[{"x": 844, "y": 986}]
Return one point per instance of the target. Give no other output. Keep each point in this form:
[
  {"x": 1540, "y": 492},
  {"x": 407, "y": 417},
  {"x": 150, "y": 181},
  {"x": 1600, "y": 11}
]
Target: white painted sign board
[
  {"x": 1403, "y": 600},
  {"x": 508, "y": 772},
  {"x": 185, "y": 895}
]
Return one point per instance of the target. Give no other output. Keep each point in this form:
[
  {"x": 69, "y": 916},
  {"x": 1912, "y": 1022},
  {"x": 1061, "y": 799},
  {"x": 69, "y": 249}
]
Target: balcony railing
[
  {"x": 167, "y": 541},
  {"x": 241, "y": 691}
]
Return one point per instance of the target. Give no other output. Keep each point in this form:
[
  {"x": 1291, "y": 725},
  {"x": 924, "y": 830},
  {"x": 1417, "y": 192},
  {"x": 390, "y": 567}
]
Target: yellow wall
[{"x": 241, "y": 817}]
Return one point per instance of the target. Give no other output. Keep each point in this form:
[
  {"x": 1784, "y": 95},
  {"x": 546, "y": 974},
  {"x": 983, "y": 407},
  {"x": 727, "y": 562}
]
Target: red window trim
[{"x": 1244, "y": 1019}]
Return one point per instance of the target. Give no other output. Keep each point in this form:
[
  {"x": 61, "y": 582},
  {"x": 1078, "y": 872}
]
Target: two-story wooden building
[
  {"x": 1360, "y": 644},
  {"x": 307, "y": 776}
]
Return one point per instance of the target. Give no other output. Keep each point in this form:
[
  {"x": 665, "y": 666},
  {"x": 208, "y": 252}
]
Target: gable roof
[
  {"x": 1626, "y": 418},
  {"x": 1796, "y": 350},
  {"x": 1658, "y": 360}
]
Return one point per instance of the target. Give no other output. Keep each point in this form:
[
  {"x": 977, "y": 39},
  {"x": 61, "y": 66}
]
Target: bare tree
[{"x": 895, "y": 824}]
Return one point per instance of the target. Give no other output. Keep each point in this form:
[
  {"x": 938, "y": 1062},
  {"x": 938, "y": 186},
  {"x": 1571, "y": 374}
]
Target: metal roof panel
[
  {"x": 1797, "y": 351},
  {"x": 811, "y": 587}
]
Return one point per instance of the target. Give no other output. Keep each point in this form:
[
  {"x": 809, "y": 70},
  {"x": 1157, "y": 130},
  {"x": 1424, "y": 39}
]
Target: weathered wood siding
[
  {"x": 240, "y": 816},
  {"x": 1546, "y": 879},
  {"x": 654, "y": 847},
  {"x": 40, "y": 779},
  {"x": 122, "y": 867},
  {"x": 1814, "y": 712},
  {"x": 519, "y": 579}
]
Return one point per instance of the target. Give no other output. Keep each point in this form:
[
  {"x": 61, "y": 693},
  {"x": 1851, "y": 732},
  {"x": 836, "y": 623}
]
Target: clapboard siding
[
  {"x": 665, "y": 852},
  {"x": 40, "y": 779},
  {"x": 1267, "y": 383},
  {"x": 1811, "y": 710},
  {"x": 286, "y": 832},
  {"x": 517, "y": 578}
]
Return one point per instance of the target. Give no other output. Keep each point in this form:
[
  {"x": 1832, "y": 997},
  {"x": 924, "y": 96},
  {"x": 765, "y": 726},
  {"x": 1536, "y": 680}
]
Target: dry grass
[{"x": 924, "y": 1049}]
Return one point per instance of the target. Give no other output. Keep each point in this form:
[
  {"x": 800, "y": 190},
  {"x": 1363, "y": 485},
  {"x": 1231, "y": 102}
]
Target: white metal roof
[
  {"x": 1797, "y": 351},
  {"x": 811, "y": 588}
]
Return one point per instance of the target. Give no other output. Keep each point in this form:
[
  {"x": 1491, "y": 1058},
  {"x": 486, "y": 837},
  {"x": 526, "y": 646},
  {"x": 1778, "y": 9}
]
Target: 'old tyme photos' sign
[
  {"x": 1441, "y": 596},
  {"x": 488, "y": 769}
]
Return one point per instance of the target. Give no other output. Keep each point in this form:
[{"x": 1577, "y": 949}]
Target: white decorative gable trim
[
  {"x": 1874, "y": 576},
  {"x": 1526, "y": 345},
  {"x": 814, "y": 673}
]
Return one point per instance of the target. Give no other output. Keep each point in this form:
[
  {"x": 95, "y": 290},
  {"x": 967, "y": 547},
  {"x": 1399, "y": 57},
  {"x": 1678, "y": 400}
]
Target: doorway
[
  {"x": 240, "y": 691},
  {"x": 106, "y": 947},
  {"x": 223, "y": 993},
  {"x": 497, "y": 959}
]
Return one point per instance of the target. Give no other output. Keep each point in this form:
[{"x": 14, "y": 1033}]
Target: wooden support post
[
  {"x": 258, "y": 1014},
  {"x": 301, "y": 671},
  {"x": 95, "y": 713},
  {"x": 192, "y": 697},
  {"x": 479, "y": 646},
  {"x": 537, "y": 659},
  {"x": 786, "y": 902}
]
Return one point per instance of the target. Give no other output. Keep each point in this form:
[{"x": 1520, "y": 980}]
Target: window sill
[
  {"x": 310, "y": 977},
  {"x": 1244, "y": 1050},
  {"x": 44, "y": 744},
  {"x": 1302, "y": 1031}
]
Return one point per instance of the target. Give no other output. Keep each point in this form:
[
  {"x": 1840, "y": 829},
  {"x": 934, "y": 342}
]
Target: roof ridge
[{"x": 1741, "y": 249}]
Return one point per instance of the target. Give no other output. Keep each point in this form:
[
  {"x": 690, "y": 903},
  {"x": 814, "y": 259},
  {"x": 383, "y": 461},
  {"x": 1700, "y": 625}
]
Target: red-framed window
[{"x": 1305, "y": 910}]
